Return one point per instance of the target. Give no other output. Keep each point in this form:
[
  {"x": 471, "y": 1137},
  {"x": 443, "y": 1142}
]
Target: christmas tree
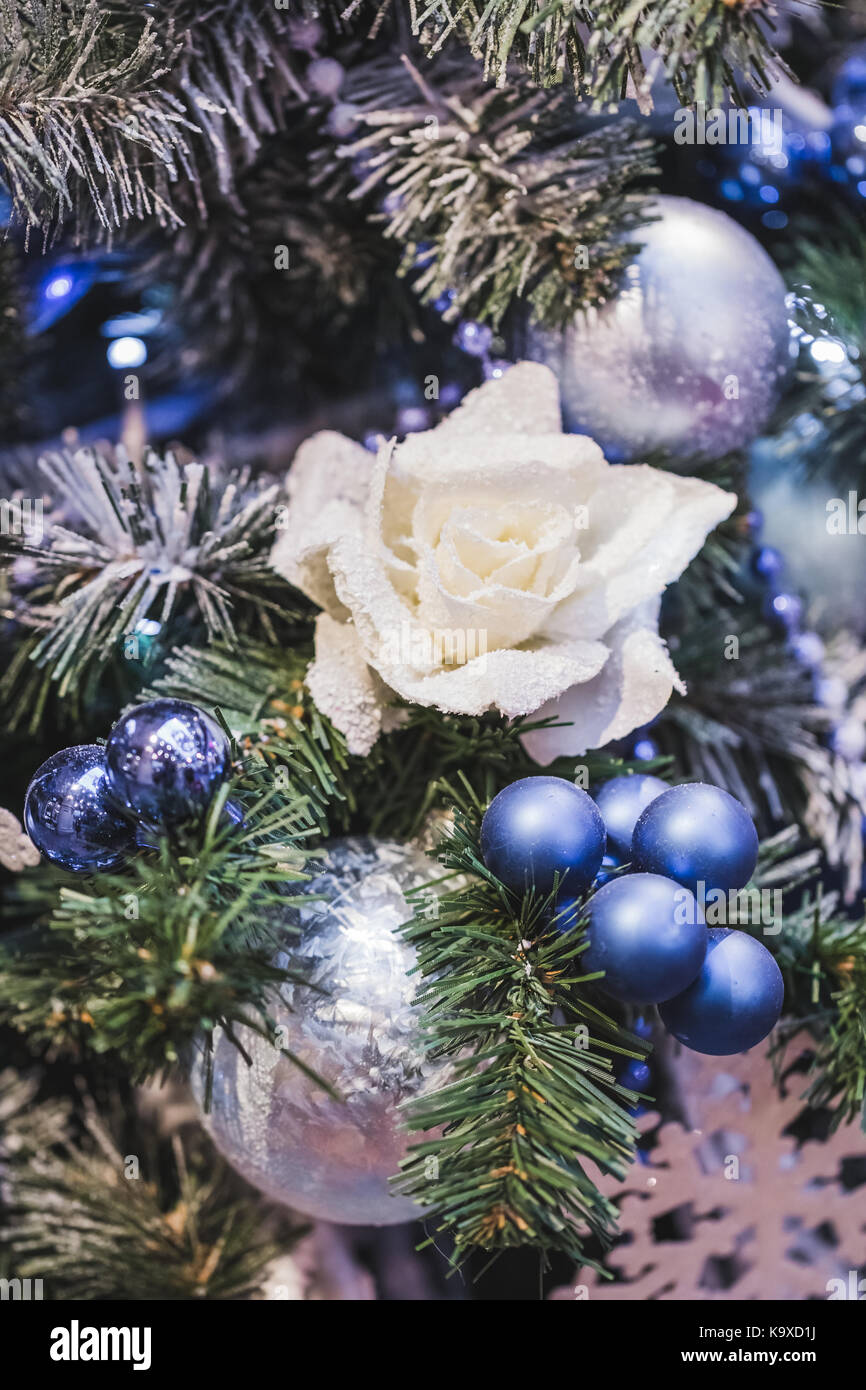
[{"x": 399, "y": 402}]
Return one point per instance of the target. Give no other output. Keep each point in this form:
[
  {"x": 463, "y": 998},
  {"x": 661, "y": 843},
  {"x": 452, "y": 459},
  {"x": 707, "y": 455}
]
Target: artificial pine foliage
[{"x": 303, "y": 204}]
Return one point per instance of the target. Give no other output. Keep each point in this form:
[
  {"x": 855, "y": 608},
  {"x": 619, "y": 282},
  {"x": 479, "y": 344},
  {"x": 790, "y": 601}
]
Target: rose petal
[
  {"x": 344, "y": 686},
  {"x": 328, "y": 486},
  {"x": 514, "y": 682},
  {"x": 644, "y": 528},
  {"x": 524, "y": 400},
  {"x": 632, "y": 688}
]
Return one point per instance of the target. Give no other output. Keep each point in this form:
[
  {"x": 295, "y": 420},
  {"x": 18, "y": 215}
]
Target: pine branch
[
  {"x": 534, "y": 1097},
  {"x": 78, "y": 1219},
  {"x": 108, "y": 116},
  {"x": 491, "y": 195},
  {"x": 142, "y": 547},
  {"x": 709, "y": 49},
  {"x": 141, "y": 962},
  {"x": 86, "y": 128}
]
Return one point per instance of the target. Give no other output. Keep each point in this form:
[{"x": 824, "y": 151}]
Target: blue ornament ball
[
  {"x": 697, "y": 833},
  {"x": 69, "y": 816},
  {"x": 734, "y": 1002},
  {"x": 541, "y": 827},
  {"x": 647, "y": 934},
  {"x": 165, "y": 761},
  {"x": 621, "y": 801}
]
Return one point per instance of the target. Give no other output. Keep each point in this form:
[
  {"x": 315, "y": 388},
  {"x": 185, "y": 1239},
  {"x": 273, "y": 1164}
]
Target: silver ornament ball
[
  {"x": 359, "y": 1030},
  {"x": 690, "y": 355}
]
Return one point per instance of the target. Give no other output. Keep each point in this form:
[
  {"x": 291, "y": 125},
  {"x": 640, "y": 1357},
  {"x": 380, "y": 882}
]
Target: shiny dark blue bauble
[
  {"x": 647, "y": 934},
  {"x": 734, "y": 1002},
  {"x": 697, "y": 833},
  {"x": 165, "y": 760},
  {"x": 541, "y": 827},
  {"x": 621, "y": 801},
  {"x": 68, "y": 814}
]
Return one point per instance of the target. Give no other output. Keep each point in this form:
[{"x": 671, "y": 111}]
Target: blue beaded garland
[
  {"x": 647, "y": 934},
  {"x": 539, "y": 828},
  {"x": 734, "y": 1002},
  {"x": 68, "y": 814},
  {"x": 697, "y": 833},
  {"x": 621, "y": 801},
  {"x": 635, "y": 1075},
  {"x": 165, "y": 761}
]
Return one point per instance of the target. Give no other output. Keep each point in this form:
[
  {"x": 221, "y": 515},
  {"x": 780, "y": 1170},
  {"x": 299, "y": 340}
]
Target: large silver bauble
[
  {"x": 690, "y": 355},
  {"x": 358, "y": 1030}
]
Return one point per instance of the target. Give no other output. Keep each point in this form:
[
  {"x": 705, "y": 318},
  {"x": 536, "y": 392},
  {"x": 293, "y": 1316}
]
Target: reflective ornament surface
[
  {"x": 68, "y": 815},
  {"x": 359, "y": 1031},
  {"x": 165, "y": 760},
  {"x": 690, "y": 355}
]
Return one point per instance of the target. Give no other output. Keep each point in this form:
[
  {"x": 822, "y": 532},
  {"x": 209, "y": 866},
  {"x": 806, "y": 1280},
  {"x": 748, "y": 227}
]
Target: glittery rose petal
[
  {"x": 645, "y": 526},
  {"x": 634, "y": 685},
  {"x": 344, "y": 686},
  {"x": 512, "y": 681},
  {"x": 328, "y": 487}
]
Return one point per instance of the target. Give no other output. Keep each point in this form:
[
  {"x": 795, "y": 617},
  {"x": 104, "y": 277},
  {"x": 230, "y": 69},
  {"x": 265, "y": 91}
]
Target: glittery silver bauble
[
  {"x": 690, "y": 355},
  {"x": 358, "y": 1029}
]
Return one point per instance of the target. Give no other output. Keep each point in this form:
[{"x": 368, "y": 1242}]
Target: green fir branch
[
  {"x": 141, "y": 962},
  {"x": 534, "y": 1099},
  {"x": 492, "y": 196},
  {"x": 80, "y": 1221},
  {"x": 711, "y": 50},
  {"x": 142, "y": 546},
  {"x": 87, "y": 131}
]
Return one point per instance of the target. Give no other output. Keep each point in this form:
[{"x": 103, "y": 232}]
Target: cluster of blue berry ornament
[
  {"x": 719, "y": 990},
  {"x": 89, "y": 807}
]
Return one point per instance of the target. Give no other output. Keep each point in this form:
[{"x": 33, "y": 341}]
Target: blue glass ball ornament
[
  {"x": 647, "y": 934},
  {"x": 734, "y": 1002},
  {"x": 69, "y": 816},
  {"x": 621, "y": 801},
  {"x": 697, "y": 833},
  {"x": 541, "y": 827},
  {"x": 165, "y": 761}
]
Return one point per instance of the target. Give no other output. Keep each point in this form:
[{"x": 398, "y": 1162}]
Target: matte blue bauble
[
  {"x": 540, "y": 827},
  {"x": 165, "y": 760},
  {"x": 648, "y": 935},
  {"x": 697, "y": 833},
  {"x": 68, "y": 815},
  {"x": 621, "y": 801},
  {"x": 734, "y": 1002}
]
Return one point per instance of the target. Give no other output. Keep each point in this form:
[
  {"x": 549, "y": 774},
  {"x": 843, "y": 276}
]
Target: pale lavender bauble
[
  {"x": 690, "y": 355},
  {"x": 322, "y": 1157}
]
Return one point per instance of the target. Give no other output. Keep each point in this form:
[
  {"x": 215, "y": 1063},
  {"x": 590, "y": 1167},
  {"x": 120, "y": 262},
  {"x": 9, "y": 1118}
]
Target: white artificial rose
[{"x": 491, "y": 563}]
